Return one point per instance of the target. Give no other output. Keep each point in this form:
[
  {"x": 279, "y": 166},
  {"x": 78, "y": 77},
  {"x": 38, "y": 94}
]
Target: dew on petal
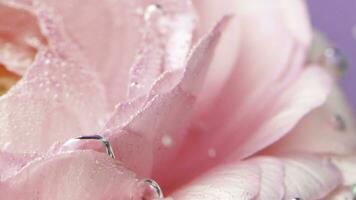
[
  {"x": 134, "y": 84},
  {"x": 5, "y": 146},
  {"x": 338, "y": 122},
  {"x": 334, "y": 57},
  {"x": 167, "y": 140},
  {"x": 151, "y": 10},
  {"x": 212, "y": 153},
  {"x": 151, "y": 189}
]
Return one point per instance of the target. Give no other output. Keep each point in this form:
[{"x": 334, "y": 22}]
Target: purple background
[{"x": 337, "y": 19}]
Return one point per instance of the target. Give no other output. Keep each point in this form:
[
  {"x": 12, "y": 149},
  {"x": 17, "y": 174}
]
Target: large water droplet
[{"x": 152, "y": 189}]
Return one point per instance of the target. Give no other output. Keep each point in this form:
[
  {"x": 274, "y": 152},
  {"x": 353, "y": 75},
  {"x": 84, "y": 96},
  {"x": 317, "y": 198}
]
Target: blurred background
[{"x": 337, "y": 20}]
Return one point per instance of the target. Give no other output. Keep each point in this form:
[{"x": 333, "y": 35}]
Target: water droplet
[
  {"x": 167, "y": 141},
  {"x": 152, "y": 10},
  {"x": 212, "y": 153},
  {"x": 338, "y": 122},
  {"x": 154, "y": 187},
  {"x": 105, "y": 142},
  {"x": 334, "y": 57},
  {"x": 47, "y": 61},
  {"x": 6, "y": 146},
  {"x": 134, "y": 84}
]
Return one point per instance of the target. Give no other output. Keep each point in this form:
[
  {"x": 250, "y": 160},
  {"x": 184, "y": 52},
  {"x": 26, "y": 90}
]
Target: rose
[{"x": 91, "y": 56}]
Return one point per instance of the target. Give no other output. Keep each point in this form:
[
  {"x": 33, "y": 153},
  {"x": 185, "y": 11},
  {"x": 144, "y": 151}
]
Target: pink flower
[{"x": 212, "y": 100}]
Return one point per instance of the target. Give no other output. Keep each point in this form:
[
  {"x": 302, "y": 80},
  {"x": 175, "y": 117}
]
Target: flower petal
[
  {"x": 307, "y": 93},
  {"x": 257, "y": 131},
  {"x": 347, "y": 166},
  {"x": 289, "y": 177},
  {"x": 20, "y": 38},
  {"x": 272, "y": 178},
  {"x": 165, "y": 44},
  {"x": 230, "y": 117},
  {"x": 77, "y": 175},
  {"x": 106, "y": 33},
  {"x": 310, "y": 177},
  {"x": 328, "y": 129},
  {"x": 47, "y": 105},
  {"x": 11, "y": 163},
  {"x": 293, "y": 13},
  {"x": 166, "y": 115},
  {"x": 229, "y": 182},
  {"x": 255, "y": 24}
]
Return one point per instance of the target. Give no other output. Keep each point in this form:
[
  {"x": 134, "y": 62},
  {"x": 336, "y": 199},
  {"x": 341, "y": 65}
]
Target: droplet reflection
[
  {"x": 339, "y": 123},
  {"x": 105, "y": 142},
  {"x": 151, "y": 10},
  {"x": 155, "y": 187}
]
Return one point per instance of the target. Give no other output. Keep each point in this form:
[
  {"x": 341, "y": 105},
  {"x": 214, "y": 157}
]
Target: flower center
[
  {"x": 20, "y": 39},
  {"x": 7, "y": 79}
]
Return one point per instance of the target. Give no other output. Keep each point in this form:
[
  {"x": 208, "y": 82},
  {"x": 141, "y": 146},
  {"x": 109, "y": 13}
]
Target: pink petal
[
  {"x": 47, "y": 105},
  {"x": 309, "y": 177},
  {"x": 20, "y": 38},
  {"x": 305, "y": 177},
  {"x": 347, "y": 166},
  {"x": 242, "y": 112},
  {"x": 76, "y": 175},
  {"x": 328, "y": 129},
  {"x": 165, "y": 44},
  {"x": 296, "y": 176},
  {"x": 106, "y": 33},
  {"x": 257, "y": 23},
  {"x": 10, "y": 164},
  {"x": 272, "y": 178},
  {"x": 165, "y": 115},
  {"x": 307, "y": 93},
  {"x": 228, "y": 182},
  {"x": 293, "y": 13},
  {"x": 250, "y": 135}
]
